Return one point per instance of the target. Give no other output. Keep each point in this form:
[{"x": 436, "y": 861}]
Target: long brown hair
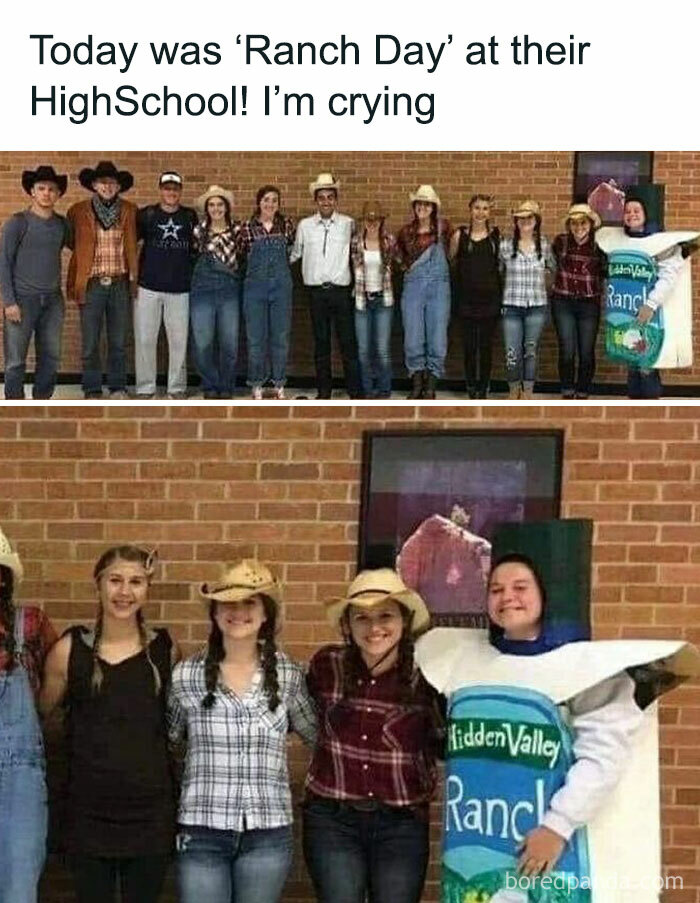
[
  {"x": 8, "y": 613},
  {"x": 135, "y": 555}
]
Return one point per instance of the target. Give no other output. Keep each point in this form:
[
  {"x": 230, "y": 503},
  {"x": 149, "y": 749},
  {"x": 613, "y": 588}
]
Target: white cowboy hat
[
  {"x": 324, "y": 180},
  {"x": 10, "y": 559},
  {"x": 214, "y": 191},
  {"x": 425, "y": 193},
  {"x": 578, "y": 211},
  {"x": 370, "y": 588}
]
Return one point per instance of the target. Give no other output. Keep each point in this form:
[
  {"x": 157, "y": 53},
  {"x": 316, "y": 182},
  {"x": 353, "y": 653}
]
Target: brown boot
[
  {"x": 514, "y": 391},
  {"x": 429, "y": 386},
  {"x": 416, "y": 385},
  {"x": 528, "y": 391}
]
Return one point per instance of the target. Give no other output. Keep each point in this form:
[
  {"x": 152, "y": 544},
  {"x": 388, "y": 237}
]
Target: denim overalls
[
  {"x": 23, "y": 797},
  {"x": 425, "y": 307},
  {"x": 267, "y": 305},
  {"x": 215, "y": 301}
]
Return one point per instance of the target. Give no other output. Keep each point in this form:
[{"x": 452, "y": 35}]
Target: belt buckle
[{"x": 106, "y": 280}]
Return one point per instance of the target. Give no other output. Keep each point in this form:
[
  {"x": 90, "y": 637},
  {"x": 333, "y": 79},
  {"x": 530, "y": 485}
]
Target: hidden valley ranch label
[{"x": 631, "y": 278}]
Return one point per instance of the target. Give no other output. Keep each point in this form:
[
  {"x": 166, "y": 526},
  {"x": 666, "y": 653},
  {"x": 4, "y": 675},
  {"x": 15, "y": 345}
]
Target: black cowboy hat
[
  {"x": 43, "y": 174},
  {"x": 105, "y": 170}
]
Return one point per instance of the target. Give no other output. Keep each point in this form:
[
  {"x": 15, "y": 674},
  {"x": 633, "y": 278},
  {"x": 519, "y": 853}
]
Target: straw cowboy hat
[
  {"x": 425, "y": 193},
  {"x": 372, "y": 211},
  {"x": 245, "y": 578},
  {"x": 105, "y": 170},
  {"x": 214, "y": 191},
  {"x": 324, "y": 181},
  {"x": 579, "y": 211},
  {"x": 43, "y": 174},
  {"x": 527, "y": 208},
  {"x": 10, "y": 559},
  {"x": 370, "y": 588}
]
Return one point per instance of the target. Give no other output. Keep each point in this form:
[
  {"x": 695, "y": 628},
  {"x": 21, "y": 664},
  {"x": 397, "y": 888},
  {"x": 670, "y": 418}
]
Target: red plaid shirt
[
  {"x": 372, "y": 746},
  {"x": 39, "y": 637},
  {"x": 581, "y": 269}
]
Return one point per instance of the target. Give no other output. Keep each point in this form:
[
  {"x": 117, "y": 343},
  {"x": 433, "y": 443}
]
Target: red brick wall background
[
  {"x": 208, "y": 483},
  {"x": 546, "y": 176}
]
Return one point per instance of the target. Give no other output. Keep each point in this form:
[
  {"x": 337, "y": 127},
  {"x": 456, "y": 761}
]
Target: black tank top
[
  {"x": 120, "y": 791},
  {"x": 478, "y": 279}
]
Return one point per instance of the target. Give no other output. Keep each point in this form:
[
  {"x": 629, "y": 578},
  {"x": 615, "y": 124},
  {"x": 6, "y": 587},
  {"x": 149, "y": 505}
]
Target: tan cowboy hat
[
  {"x": 372, "y": 210},
  {"x": 579, "y": 211},
  {"x": 245, "y": 578},
  {"x": 425, "y": 193},
  {"x": 527, "y": 208},
  {"x": 10, "y": 559},
  {"x": 324, "y": 180},
  {"x": 370, "y": 588},
  {"x": 214, "y": 191}
]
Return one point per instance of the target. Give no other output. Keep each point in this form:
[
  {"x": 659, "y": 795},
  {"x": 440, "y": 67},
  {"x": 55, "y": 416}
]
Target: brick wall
[
  {"x": 206, "y": 484},
  {"x": 547, "y": 176}
]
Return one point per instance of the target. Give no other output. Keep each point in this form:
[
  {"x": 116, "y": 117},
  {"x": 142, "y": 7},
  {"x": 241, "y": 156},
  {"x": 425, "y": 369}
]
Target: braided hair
[
  {"x": 538, "y": 237},
  {"x": 268, "y": 655},
  {"x": 146, "y": 559},
  {"x": 354, "y": 666},
  {"x": 8, "y": 613}
]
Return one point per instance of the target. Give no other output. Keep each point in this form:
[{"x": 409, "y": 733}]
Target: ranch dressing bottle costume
[
  {"x": 648, "y": 267},
  {"x": 555, "y": 733}
]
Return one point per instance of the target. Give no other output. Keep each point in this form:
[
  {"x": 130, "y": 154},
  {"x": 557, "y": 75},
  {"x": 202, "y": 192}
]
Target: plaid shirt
[
  {"x": 371, "y": 745},
  {"x": 411, "y": 243},
  {"x": 39, "y": 637},
  {"x": 253, "y": 229},
  {"x": 235, "y": 775},
  {"x": 109, "y": 252},
  {"x": 581, "y": 269},
  {"x": 524, "y": 274},
  {"x": 221, "y": 245},
  {"x": 388, "y": 249}
]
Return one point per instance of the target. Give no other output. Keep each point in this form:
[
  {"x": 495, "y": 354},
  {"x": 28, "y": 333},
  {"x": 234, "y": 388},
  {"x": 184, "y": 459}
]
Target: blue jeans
[
  {"x": 373, "y": 331},
  {"x": 42, "y": 315},
  {"x": 233, "y": 867},
  {"x": 110, "y": 302},
  {"x": 425, "y": 308},
  {"x": 215, "y": 302},
  {"x": 351, "y": 854},
  {"x": 643, "y": 383},
  {"x": 522, "y": 328},
  {"x": 23, "y": 797},
  {"x": 576, "y": 321}
]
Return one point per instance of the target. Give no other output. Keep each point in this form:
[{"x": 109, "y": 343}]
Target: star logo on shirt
[{"x": 169, "y": 229}]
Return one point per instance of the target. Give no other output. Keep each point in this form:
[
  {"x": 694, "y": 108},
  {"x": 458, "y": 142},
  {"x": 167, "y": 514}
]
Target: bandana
[{"x": 107, "y": 214}]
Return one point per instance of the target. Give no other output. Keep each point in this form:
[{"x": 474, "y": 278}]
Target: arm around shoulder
[{"x": 55, "y": 684}]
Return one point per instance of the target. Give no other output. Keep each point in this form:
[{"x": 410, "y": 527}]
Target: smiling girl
[
  {"x": 112, "y": 679},
  {"x": 234, "y": 704},
  {"x": 380, "y": 729}
]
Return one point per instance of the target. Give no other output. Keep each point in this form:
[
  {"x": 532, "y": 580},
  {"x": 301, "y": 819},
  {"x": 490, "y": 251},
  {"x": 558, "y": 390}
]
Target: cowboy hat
[
  {"x": 324, "y": 181},
  {"x": 105, "y": 170},
  {"x": 425, "y": 193},
  {"x": 372, "y": 210},
  {"x": 10, "y": 559},
  {"x": 370, "y": 588},
  {"x": 43, "y": 174},
  {"x": 527, "y": 208},
  {"x": 244, "y": 578},
  {"x": 214, "y": 191},
  {"x": 578, "y": 211}
]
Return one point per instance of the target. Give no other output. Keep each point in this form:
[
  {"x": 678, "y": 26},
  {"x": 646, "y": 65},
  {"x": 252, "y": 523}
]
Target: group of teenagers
[
  {"x": 189, "y": 757},
  {"x": 200, "y": 272}
]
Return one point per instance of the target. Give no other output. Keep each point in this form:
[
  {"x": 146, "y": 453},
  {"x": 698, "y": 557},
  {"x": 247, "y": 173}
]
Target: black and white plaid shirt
[{"x": 236, "y": 776}]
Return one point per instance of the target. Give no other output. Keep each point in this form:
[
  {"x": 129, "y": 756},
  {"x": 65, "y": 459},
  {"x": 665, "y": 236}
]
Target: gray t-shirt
[{"x": 30, "y": 255}]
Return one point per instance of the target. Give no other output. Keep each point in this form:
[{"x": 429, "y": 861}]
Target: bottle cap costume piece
[
  {"x": 634, "y": 262},
  {"x": 374, "y": 586},
  {"x": 511, "y": 747},
  {"x": 10, "y": 559}
]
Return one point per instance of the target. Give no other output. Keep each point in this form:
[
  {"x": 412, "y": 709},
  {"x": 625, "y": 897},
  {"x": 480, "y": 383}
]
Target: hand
[
  {"x": 133, "y": 289},
  {"x": 13, "y": 313},
  {"x": 645, "y": 314},
  {"x": 540, "y": 851}
]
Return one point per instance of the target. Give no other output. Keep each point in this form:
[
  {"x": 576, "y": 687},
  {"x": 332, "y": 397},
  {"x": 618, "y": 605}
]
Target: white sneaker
[
  {"x": 257, "y": 393},
  {"x": 278, "y": 393}
]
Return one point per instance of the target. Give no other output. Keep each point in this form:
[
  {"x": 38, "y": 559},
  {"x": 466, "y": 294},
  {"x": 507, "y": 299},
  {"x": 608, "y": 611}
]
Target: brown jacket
[{"x": 84, "y": 225}]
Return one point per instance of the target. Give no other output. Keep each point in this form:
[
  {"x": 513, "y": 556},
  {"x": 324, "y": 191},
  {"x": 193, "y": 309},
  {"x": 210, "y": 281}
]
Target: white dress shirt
[{"x": 324, "y": 248}]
